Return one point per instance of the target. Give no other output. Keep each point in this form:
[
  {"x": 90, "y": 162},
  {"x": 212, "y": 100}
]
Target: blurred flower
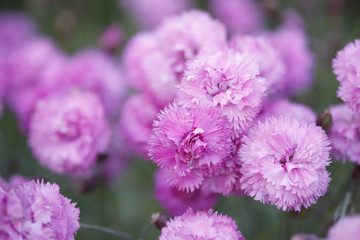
[
  {"x": 150, "y": 13},
  {"x": 347, "y": 68},
  {"x": 346, "y": 228},
  {"x": 15, "y": 29},
  {"x": 35, "y": 72},
  {"x": 37, "y": 210},
  {"x": 155, "y": 62},
  {"x": 344, "y": 134},
  {"x": 96, "y": 72},
  {"x": 111, "y": 38},
  {"x": 176, "y": 202},
  {"x": 272, "y": 67},
  {"x": 241, "y": 16},
  {"x": 189, "y": 144},
  {"x": 284, "y": 162},
  {"x": 292, "y": 43},
  {"x": 286, "y": 108},
  {"x": 201, "y": 225},
  {"x": 68, "y": 132},
  {"x": 227, "y": 80},
  {"x": 136, "y": 123}
]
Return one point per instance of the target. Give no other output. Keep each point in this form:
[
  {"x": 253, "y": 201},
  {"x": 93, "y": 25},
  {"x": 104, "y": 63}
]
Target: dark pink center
[{"x": 192, "y": 146}]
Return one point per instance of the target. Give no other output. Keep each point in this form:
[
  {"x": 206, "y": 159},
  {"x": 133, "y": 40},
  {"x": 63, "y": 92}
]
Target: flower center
[
  {"x": 69, "y": 130},
  {"x": 192, "y": 146},
  {"x": 288, "y": 156}
]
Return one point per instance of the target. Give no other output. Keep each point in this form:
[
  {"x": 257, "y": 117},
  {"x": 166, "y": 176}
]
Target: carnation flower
[
  {"x": 346, "y": 65},
  {"x": 96, "y": 72},
  {"x": 111, "y": 38},
  {"x": 286, "y": 108},
  {"x": 242, "y": 16},
  {"x": 68, "y": 132},
  {"x": 150, "y": 13},
  {"x": 346, "y": 228},
  {"x": 344, "y": 133},
  {"x": 35, "y": 210},
  {"x": 35, "y": 72},
  {"x": 189, "y": 144},
  {"x": 15, "y": 29},
  {"x": 227, "y": 80},
  {"x": 272, "y": 67},
  {"x": 176, "y": 202},
  {"x": 292, "y": 43},
  {"x": 284, "y": 162},
  {"x": 349, "y": 92},
  {"x": 155, "y": 61},
  {"x": 201, "y": 225},
  {"x": 136, "y": 123}
]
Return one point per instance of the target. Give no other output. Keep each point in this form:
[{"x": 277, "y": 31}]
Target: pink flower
[
  {"x": 96, "y": 72},
  {"x": 284, "y": 162},
  {"x": 201, "y": 225},
  {"x": 136, "y": 123},
  {"x": 346, "y": 228},
  {"x": 35, "y": 72},
  {"x": 111, "y": 38},
  {"x": 242, "y": 16},
  {"x": 286, "y": 108},
  {"x": 346, "y": 65},
  {"x": 344, "y": 134},
  {"x": 349, "y": 92},
  {"x": 68, "y": 132},
  {"x": 227, "y": 80},
  {"x": 272, "y": 67},
  {"x": 155, "y": 61},
  {"x": 292, "y": 43},
  {"x": 35, "y": 210},
  {"x": 189, "y": 144},
  {"x": 15, "y": 29},
  {"x": 150, "y": 13},
  {"x": 176, "y": 202}
]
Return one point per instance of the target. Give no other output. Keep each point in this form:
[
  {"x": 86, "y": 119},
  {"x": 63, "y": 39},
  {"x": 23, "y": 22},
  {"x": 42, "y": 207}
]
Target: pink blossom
[
  {"x": 68, "y": 132},
  {"x": 150, "y": 13},
  {"x": 346, "y": 228},
  {"x": 284, "y": 162},
  {"x": 35, "y": 72},
  {"x": 201, "y": 225},
  {"x": 227, "y": 80},
  {"x": 155, "y": 61},
  {"x": 111, "y": 38},
  {"x": 349, "y": 92},
  {"x": 272, "y": 67},
  {"x": 15, "y": 29},
  {"x": 346, "y": 65},
  {"x": 344, "y": 134},
  {"x": 94, "y": 71},
  {"x": 189, "y": 144},
  {"x": 292, "y": 43},
  {"x": 286, "y": 108},
  {"x": 37, "y": 210},
  {"x": 242, "y": 16},
  {"x": 176, "y": 202},
  {"x": 136, "y": 123}
]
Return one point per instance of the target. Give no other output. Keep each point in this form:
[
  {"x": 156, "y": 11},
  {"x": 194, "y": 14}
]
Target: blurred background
[{"x": 127, "y": 202}]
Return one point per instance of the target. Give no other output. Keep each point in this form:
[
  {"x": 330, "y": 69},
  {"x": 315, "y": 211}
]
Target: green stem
[{"x": 107, "y": 230}]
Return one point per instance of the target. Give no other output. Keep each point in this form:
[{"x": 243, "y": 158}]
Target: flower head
[
  {"x": 68, "y": 132},
  {"x": 189, "y": 144},
  {"x": 345, "y": 133},
  {"x": 226, "y": 80},
  {"x": 284, "y": 162},
  {"x": 346, "y": 228},
  {"x": 176, "y": 202},
  {"x": 37, "y": 210},
  {"x": 346, "y": 65},
  {"x": 241, "y": 16},
  {"x": 201, "y": 225},
  {"x": 94, "y": 71}
]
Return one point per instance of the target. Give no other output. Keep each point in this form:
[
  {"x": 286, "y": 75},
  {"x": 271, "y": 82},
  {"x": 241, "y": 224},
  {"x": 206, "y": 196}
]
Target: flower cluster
[{"x": 36, "y": 210}]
